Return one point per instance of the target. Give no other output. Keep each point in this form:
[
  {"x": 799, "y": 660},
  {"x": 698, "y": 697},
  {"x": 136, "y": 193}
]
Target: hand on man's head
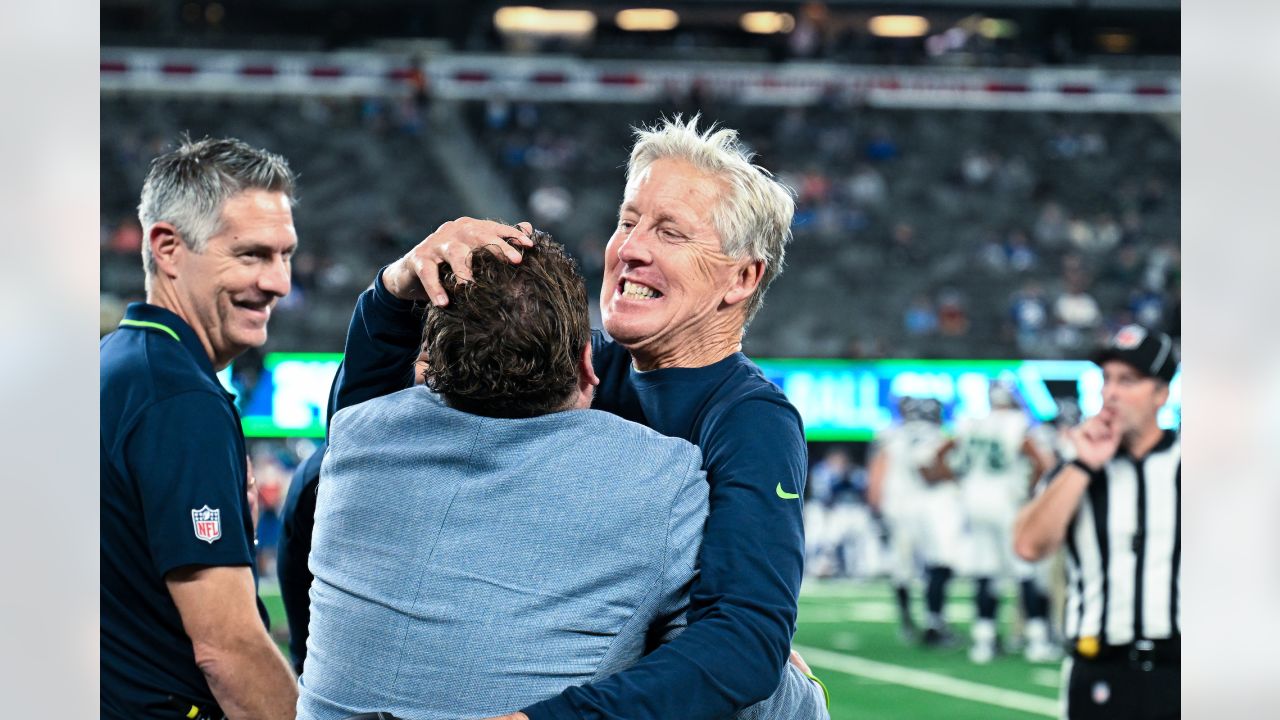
[{"x": 416, "y": 276}]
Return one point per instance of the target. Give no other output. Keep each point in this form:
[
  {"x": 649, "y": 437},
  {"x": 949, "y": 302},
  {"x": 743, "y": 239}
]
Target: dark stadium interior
[{"x": 1051, "y": 32}]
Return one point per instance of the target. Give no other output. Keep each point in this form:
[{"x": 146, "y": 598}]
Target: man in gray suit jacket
[{"x": 488, "y": 540}]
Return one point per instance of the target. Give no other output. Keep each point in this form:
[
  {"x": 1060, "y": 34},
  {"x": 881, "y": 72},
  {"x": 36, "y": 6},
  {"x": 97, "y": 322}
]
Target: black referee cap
[{"x": 1151, "y": 353}]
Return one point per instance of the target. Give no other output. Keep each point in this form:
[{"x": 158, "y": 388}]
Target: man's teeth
[{"x": 635, "y": 290}]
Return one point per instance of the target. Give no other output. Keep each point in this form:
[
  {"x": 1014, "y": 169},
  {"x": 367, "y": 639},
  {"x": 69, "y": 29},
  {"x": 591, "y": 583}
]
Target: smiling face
[
  {"x": 228, "y": 289},
  {"x": 670, "y": 294}
]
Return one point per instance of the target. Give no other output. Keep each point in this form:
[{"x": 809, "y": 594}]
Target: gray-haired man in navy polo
[{"x": 183, "y": 634}]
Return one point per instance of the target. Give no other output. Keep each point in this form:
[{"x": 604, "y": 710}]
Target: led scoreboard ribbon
[{"x": 840, "y": 400}]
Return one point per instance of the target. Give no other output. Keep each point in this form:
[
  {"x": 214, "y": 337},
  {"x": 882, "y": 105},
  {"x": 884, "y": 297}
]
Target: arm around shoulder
[
  {"x": 246, "y": 672},
  {"x": 798, "y": 697}
]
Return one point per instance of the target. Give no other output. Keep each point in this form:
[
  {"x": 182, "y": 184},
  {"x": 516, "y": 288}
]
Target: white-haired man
[
  {"x": 183, "y": 632},
  {"x": 701, "y": 234}
]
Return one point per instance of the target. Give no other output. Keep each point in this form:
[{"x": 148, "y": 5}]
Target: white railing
[{"x": 557, "y": 79}]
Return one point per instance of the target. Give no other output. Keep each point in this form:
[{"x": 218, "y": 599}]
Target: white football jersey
[
  {"x": 990, "y": 450},
  {"x": 909, "y": 446}
]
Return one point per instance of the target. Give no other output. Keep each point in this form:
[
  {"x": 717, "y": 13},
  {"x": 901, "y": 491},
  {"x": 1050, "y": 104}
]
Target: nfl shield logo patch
[
  {"x": 208, "y": 524},
  {"x": 1101, "y": 692},
  {"x": 1130, "y": 337}
]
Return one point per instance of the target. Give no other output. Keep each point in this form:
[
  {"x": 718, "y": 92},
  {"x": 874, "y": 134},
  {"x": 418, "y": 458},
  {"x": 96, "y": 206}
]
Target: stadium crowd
[{"x": 964, "y": 234}]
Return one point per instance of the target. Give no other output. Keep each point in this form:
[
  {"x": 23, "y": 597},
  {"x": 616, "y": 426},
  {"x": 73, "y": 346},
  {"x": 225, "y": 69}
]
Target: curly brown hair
[{"x": 508, "y": 344}]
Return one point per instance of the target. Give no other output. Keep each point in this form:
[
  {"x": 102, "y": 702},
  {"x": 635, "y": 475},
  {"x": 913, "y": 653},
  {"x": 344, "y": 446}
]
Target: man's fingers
[
  {"x": 429, "y": 274},
  {"x": 503, "y": 250},
  {"x": 800, "y": 663},
  {"x": 481, "y": 230},
  {"x": 454, "y": 241}
]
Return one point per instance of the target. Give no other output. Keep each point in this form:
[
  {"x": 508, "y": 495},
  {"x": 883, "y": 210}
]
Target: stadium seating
[{"x": 917, "y": 233}]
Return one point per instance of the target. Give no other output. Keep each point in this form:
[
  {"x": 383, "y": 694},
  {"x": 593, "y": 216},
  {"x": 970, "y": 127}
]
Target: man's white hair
[{"x": 753, "y": 218}]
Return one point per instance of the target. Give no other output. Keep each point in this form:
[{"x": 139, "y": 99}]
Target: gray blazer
[{"x": 469, "y": 566}]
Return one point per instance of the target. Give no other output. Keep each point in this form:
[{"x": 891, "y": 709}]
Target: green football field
[{"x": 848, "y": 634}]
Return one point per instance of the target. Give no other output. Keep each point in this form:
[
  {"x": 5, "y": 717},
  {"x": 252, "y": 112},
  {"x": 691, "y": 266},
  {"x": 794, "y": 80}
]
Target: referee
[{"x": 1116, "y": 509}]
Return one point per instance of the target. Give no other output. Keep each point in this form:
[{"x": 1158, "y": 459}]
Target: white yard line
[
  {"x": 883, "y": 611},
  {"x": 930, "y": 682},
  {"x": 1047, "y": 677},
  {"x": 850, "y": 589}
]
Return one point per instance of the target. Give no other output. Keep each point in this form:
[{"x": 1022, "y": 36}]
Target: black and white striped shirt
[{"x": 1124, "y": 576}]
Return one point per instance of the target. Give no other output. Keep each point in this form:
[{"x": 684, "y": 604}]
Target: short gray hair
[
  {"x": 754, "y": 218},
  {"x": 188, "y": 185}
]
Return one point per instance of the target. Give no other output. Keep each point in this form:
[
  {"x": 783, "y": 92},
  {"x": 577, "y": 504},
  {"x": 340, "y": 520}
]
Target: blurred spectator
[
  {"x": 497, "y": 113},
  {"x": 993, "y": 255},
  {"x": 977, "y": 168},
  {"x": 867, "y": 187},
  {"x": 1015, "y": 177},
  {"x": 1092, "y": 144},
  {"x": 839, "y": 531},
  {"x": 1051, "y": 226},
  {"x": 273, "y": 481},
  {"x": 953, "y": 319},
  {"x": 1075, "y": 307},
  {"x": 1030, "y": 314},
  {"x": 903, "y": 248},
  {"x": 881, "y": 146},
  {"x": 550, "y": 204},
  {"x": 1147, "y": 307},
  {"x": 1021, "y": 256},
  {"x": 1164, "y": 267},
  {"x": 815, "y": 187},
  {"x": 1131, "y": 226},
  {"x": 1107, "y": 232},
  {"x": 1082, "y": 235},
  {"x": 920, "y": 317},
  {"x": 1125, "y": 271},
  {"x": 1154, "y": 193},
  {"x": 1065, "y": 145},
  {"x": 126, "y": 238}
]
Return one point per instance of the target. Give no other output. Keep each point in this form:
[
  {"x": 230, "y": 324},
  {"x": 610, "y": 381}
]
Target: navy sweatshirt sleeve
[
  {"x": 743, "y": 605},
  {"x": 293, "y": 550},
  {"x": 382, "y": 342}
]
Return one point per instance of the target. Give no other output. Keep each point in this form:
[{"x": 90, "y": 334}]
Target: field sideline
[{"x": 848, "y": 634}]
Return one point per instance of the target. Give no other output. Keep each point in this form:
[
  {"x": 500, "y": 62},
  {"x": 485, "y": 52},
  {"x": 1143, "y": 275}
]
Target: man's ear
[
  {"x": 586, "y": 371},
  {"x": 745, "y": 281},
  {"x": 1162, "y": 394},
  {"x": 165, "y": 247}
]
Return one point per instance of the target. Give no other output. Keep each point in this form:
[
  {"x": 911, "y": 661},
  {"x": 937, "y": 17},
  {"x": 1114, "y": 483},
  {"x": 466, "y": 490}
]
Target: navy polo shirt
[{"x": 173, "y": 487}]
